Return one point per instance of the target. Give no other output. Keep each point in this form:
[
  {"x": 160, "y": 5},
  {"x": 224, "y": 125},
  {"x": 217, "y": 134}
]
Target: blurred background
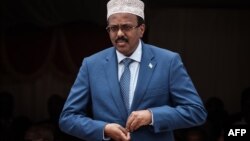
[{"x": 43, "y": 42}]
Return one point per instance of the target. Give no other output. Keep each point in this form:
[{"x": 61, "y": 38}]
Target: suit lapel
[
  {"x": 111, "y": 70},
  {"x": 147, "y": 67}
]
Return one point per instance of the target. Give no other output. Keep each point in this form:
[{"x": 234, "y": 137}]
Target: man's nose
[{"x": 120, "y": 33}]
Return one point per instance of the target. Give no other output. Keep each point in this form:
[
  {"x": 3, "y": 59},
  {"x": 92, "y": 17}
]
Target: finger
[
  {"x": 128, "y": 138},
  {"x": 130, "y": 120},
  {"x": 123, "y": 137},
  {"x": 124, "y": 131},
  {"x": 134, "y": 125},
  {"x": 124, "y": 134}
]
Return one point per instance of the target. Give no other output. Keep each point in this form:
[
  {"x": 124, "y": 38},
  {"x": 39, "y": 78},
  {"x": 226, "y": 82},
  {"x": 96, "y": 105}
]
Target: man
[{"x": 132, "y": 91}]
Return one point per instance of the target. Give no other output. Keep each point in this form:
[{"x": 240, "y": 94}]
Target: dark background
[{"x": 42, "y": 44}]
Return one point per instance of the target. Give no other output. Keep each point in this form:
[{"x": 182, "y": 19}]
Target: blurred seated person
[
  {"x": 6, "y": 115},
  {"x": 39, "y": 132},
  {"x": 243, "y": 117},
  {"x": 217, "y": 118},
  {"x": 195, "y": 134}
]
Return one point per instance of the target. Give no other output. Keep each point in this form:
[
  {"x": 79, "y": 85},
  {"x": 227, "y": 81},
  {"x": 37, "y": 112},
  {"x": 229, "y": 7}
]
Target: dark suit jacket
[{"x": 163, "y": 86}]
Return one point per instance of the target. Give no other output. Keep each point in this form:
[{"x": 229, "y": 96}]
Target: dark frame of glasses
[{"x": 122, "y": 27}]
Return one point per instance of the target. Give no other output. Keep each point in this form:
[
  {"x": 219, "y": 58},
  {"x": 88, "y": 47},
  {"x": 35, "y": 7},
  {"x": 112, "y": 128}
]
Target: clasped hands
[{"x": 135, "y": 121}]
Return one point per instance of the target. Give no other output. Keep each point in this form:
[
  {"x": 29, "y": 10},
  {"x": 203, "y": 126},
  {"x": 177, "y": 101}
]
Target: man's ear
[{"x": 142, "y": 29}]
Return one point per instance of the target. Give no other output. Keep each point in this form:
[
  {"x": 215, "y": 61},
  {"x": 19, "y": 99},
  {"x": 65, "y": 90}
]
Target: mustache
[{"x": 121, "y": 39}]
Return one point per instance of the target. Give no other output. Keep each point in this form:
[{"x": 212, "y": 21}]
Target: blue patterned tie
[{"x": 125, "y": 82}]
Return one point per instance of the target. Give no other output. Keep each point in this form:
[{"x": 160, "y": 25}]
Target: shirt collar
[{"x": 136, "y": 56}]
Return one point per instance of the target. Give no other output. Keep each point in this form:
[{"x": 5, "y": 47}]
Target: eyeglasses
[{"x": 123, "y": 27}]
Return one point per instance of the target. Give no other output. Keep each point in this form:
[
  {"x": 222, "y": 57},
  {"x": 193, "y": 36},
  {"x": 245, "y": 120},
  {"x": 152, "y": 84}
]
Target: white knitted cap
[{"x": 135, "y": 7}]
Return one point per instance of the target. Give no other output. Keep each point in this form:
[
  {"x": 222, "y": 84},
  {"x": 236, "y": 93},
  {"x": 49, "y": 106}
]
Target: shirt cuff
[
  {"x": 105, "y": 138},
  {"x": 152, "y": 117}
]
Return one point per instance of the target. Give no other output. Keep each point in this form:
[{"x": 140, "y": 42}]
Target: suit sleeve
[
  {"x": 187, "y": 109},
  {"x": 75, "y": 118}
]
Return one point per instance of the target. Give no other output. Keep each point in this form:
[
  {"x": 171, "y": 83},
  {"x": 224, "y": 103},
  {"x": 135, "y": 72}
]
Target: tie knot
[{"x": 127, "y": 62}]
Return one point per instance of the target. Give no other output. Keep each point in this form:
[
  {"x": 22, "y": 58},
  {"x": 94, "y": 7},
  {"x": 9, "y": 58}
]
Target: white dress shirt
[{"x": 134, "y": 69}]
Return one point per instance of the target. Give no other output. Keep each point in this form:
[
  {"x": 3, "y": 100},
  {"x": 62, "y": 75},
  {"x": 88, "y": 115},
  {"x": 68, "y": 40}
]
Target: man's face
[{"x": 124, "y": 32}]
